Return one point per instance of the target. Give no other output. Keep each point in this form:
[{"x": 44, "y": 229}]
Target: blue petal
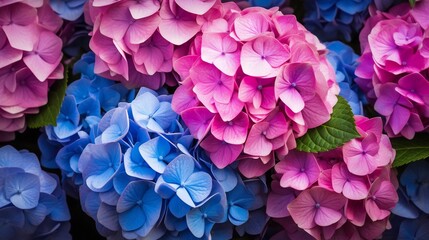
[
  {"x": 196, "y": 222},
  {"x": 199, "y": 186},
  {"x": 10, "y": 157},
  {"x": 139, "y": 201},
  {"x": 109, "y": 98},
  {"x": 404, "y": 207},
  {"x": 226, "y": 177},
  {"x": 408, "y": 229},
  {"x": 174, "y": 224},
  {"x": 98, "y": 163},
  {"x": 178, "y": 208},
  {"x": 110, "y": 197},
  {"x": 89, "y": 107},
  {"x": 421, "y": 199},
  {"x": 108, "y": 217},
  {"x": 164, "y": 189},
  {"x": 143, "y": 107},
  {"x": 79, "y": 89},
  {"x": 179, "y": 169},
  {"x": 36, "y": 215},
  {"x": 49, "y": 150},
  {"x": 238, "y": 215},
  {"x": 135, "y": 166},
  {"x": 164, "y": 116},
  {"x": 256, "y": 222},
  {"x": 23, "y": 190},
  {"x": 154, "y": 151},
  {"x": 12, "y": 216}
]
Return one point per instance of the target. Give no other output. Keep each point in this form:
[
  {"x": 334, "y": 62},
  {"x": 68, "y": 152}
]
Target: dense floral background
[{"x": 209, "y": 119}]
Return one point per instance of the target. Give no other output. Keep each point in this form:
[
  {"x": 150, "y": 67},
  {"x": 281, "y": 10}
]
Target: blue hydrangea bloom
[
  {"x": 32, "y": 204},
  {"x": 335, "y": 19},
  {"x": 411, "y": 213},
  {"x": 87, "y": 100},
  {"x": 266, "y": 3},
  {"x": 344, "y": 61},
  {"x": 68, "y": 9}
]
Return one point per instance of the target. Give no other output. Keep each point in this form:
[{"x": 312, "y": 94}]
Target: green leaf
[
  {"x": 338, "y": 130},
  {"x": 412, "y": 3},
  {"x": 408, "y": 151},
  {"x": 48, "y": 114}
]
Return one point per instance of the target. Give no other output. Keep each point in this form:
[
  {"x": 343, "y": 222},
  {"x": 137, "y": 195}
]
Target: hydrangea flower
[
  {"x": 69, "y": 10},
  {"x": 410, "y": 215},
  {"x": 328, "y": 196},
  {"x": 344, "y": 61},
  {"x": 31, "y": 61},
  {"x": 134, "y": 41},
  {"x": 32, "y": 203},
  {"x": 87, "y": 100},
  {"x": 335, "y": 19},
  {"x": 245, "y": 86},
  {"x": 393, "y": 67}
]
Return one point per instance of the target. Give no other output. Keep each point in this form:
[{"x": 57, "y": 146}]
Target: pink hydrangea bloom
[
  {"x": 136, "y": 39},
  {"x": 393, "y": 69},
  {"x": 261, "y": 76},
  {"x": 329, "y": 196},
  {"x": 30, "y": 61}
]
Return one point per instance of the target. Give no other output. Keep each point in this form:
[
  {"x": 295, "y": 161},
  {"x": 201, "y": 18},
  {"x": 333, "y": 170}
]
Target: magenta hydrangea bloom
[
  {"x": 329, "y": 196},
  {"x": 250, "y": 84},
  {"x": 30, "y": 61},
  {"x": 134, "y": 41},
  {"x": 393, "y": 69}
]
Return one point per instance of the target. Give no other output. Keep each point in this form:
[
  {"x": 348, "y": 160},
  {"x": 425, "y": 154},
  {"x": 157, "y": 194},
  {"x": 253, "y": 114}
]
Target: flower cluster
[
  {"x": 254, "y": 69},
  {"x": 344, "y": 61},
  {"x": 30, "y": 61},
  {"x": 393, "y": 69},
  {"x": 69, "y": 10},
  {"x": 345, "y": 193},
  {"x": 335, "y": 19},
  {"x": 134, "y": 40},
  {"x": 32, "y": 204},
  {"x": 87, "y": 100},
  {"x": 139, "y": 179},
  {"x": 411, "y": 214}
]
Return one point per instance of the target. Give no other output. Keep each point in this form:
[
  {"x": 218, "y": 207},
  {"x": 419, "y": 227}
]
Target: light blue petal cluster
[
  {"x": 87, "y": 100},
  {"x": 335, "y": 19},
  {"x": 411, "y": 213},
  {"x": 344, "y": 62},
  {"x": 32, "y": 203},
  {"x": 68, "y": 9}
]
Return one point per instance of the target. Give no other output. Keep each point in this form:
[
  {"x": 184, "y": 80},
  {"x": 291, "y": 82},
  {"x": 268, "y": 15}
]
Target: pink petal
[
  {"x": 251, "y": 167},
  {"x": 22, "y": 37},
  {"x": 142, "y": 29},
  {"x": 355, "y": 212},
  {"x": 262, "y": 56},
  {"x": 326, "y": 216},
  {"x": 399, "y": 118},
  {"x": 183, "y": 65},
  {"x": 8, "y": 53},
  {"x": 232, "y": 132},
  {"x": 295, "y": 85},
  {"x": 278, "y": 124},
  {"x": 315, "y": 112},
  {"x": 183, "y": 98},
  {"x": 230, "y": 110},
  {"x": 143, "y": 8},
  {"x": 353, "y": 187},
  {"x": 302, "y": 210},
  {"x": 198, "y": 120},
  {"x": 198, "y": 7},
  {"x": 250, "y": 26},
  {"x": 248, "y": 89},
  {"x": 222, "y": 51},
  {"x": 222, "y": 154},
  {"x": 177, "y": 27},
  {"x": 257, "y": 144},
  {"x": 115, "y": 22},
  {"x": 45, "y": 57}
]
